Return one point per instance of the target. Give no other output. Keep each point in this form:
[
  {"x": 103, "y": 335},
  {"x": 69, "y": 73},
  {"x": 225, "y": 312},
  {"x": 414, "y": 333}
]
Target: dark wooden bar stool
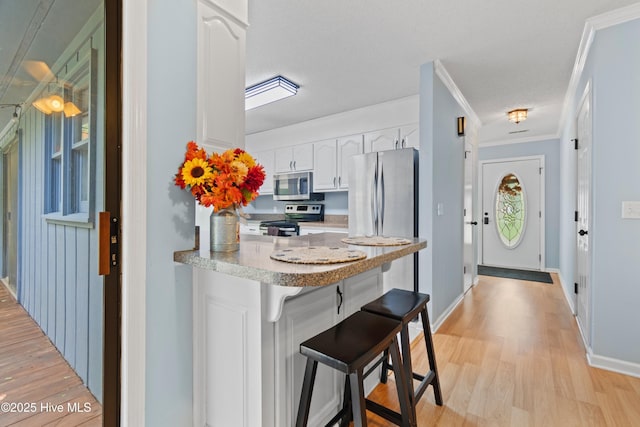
[
  {"x": 402, "y": 305},
  {"x": 348, "y": 347}
]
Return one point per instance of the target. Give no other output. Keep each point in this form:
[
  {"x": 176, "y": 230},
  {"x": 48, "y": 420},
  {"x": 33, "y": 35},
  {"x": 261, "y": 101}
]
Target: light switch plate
[{"x": 631, "y": 210}]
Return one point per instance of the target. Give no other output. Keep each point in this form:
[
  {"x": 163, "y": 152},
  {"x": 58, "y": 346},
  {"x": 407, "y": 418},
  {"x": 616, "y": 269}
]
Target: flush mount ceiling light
[
  {"x": 268, "y": 91},
  {"x": 517, "y": 116}
]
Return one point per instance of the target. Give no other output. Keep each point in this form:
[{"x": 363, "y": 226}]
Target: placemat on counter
[
  {"x": 376, "y": 241},
  {"x": 317, "y": 255}
]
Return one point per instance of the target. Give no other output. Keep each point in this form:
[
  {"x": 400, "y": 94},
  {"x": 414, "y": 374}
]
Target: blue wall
[
  {"x": 550, "y": 150},
  {"x": 441, "y": 182},
  {"x": 613, "y": 70},
  {"x": 170, "y": 212}
]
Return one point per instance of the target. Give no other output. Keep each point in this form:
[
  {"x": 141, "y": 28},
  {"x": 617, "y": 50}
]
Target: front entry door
[{"x": 511, "y": 213}]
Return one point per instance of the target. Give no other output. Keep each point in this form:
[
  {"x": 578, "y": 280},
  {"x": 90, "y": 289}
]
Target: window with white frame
[{"x": 69, "y": 142}]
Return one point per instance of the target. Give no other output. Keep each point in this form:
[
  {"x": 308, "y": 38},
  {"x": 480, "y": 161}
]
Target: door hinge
[
  {"x": 464, "y": 269},
  {"x": 575, "y": 143},
  {"x": 539, "y": 171},
  {"x": 539, "y": 214},
  {"x": 575, "y": 218},
  {"x": 575, "y": 288},
  {"x": 540, "y": 257}
]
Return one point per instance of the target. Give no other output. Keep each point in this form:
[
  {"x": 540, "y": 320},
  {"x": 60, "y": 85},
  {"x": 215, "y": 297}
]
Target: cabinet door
[
  {"x": 410, "y": 136},
  {"x": 302, "y": 157},
  {"x": 303, "y": 317},
  {"x": 382, "y": 140},
  {"x": 324, "y": 171},
  {"x": 267, "y": 160},
  {"x": 220, "y": 79},
  {"x": 347, "y": 148},
  {"x": 284, "y": 160}
]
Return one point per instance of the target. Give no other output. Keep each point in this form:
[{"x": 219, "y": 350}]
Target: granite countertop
[{"x": 253, "y": 260}]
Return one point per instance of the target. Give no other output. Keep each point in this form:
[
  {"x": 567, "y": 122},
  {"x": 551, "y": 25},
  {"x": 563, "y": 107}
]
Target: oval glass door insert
[{"x": 510, "y": 210}]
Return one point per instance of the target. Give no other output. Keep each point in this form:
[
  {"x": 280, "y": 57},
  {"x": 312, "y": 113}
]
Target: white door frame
[
  {"x": 469, "y": 216},
  {"x": 542, "y": 204}
]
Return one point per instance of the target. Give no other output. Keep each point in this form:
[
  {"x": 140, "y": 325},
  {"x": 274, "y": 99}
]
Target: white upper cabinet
[
  {"x": 267, "y": 160},
  {"x": 221, "y": 75},
  {"x": 325, "y": 171},
  {"x": 347, "y": 147},
  {"x": 410, "y": 136},
  {"x": 407, "y": 136},
  {"x": 382, "y": 140},
  {"x": 331, "y": 158},
  {"x": 296, "y": 158}
]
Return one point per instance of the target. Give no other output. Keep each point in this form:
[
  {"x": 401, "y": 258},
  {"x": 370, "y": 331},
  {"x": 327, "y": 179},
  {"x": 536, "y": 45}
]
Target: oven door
[{"x": 292, "y": 186}]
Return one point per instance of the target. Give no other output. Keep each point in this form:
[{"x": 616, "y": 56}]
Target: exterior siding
[{"x": 57, "y": 280}]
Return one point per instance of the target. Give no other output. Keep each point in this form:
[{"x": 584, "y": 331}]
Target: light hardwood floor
[
  {"x": 511, "y": 355},
  {"x": 35, "y": 381}
]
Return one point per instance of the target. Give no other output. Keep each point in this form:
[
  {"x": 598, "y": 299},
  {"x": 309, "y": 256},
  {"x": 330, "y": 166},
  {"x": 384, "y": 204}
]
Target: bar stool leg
[
  {"x": 358, "y": 403},
  {"x": 346, "y": 404},
  {"x": 405, "y": 348},
  {"x": 307, "y": 391},
  {"x": 407, "y": 409},
  {"x": 431, "y": 356},
  {"x": 384, "y": 373}
]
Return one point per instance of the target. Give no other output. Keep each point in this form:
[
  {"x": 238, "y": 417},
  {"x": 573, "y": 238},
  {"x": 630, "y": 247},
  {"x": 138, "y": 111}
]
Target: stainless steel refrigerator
[{"x": 383, "y": 200}]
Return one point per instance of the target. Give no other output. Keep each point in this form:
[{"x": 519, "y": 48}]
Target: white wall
[
  {"x": 375, "y": 117},
  {"x": 441, "y": 182},
  {"x": 612, "y": 67}
]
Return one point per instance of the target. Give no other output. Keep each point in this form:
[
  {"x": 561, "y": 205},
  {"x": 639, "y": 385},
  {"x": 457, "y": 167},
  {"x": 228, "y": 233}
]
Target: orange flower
[{"x": 230, "y": 179}]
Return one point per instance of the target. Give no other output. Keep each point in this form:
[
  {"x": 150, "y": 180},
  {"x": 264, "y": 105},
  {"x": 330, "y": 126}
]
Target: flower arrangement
[{"x": 227, "y": 180}]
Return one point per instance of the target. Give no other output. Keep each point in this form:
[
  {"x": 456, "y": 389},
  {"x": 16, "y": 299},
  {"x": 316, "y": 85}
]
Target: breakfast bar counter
[
  {"x": 251, "y": 312},
  {"x": 253, "y": 260}
]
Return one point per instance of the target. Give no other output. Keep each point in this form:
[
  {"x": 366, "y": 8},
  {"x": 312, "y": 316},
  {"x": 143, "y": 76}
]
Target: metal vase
[{"x": 224, "y": 231}]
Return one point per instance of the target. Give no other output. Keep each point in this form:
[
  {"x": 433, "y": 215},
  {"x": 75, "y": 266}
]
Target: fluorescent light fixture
[{"x": 268, "y": 91}]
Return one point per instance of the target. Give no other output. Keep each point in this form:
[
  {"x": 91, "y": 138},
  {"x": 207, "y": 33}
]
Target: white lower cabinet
[{"x": 303, "y": 317}]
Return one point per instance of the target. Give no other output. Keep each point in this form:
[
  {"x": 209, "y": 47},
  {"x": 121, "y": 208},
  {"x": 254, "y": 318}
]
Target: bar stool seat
[
  {"x": 403, "y": 305},
  {"x": 348, "y": 347}
]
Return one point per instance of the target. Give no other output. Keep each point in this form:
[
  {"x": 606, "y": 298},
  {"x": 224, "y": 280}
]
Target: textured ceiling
[{"x": 502, "y": 54}]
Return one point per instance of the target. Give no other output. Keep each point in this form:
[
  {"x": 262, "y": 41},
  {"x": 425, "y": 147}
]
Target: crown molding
[
  {"x": 457, "y": 94},
  {"x": 598, "y": 22}
]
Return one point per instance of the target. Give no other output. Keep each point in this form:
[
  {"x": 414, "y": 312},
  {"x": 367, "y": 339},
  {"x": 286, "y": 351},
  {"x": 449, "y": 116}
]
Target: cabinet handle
[
  {"x": 339, "y": 181},
  {"x": 339, "y": 298},
  {"x": 334, "y": 181},
  {"x": 294, "y": 165},
  {"x": 396, "y": 144},
  {"x": 404, "y": 142},
  {"x": 291, "y": 165}
]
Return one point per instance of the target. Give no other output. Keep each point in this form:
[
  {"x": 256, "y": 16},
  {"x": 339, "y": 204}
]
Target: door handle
[
  {"x": 107, "y": 243},
  {"x": 473, "y": 222},
  {"x": 486, "y": 220},
  {"x": 583, "y": 232}
]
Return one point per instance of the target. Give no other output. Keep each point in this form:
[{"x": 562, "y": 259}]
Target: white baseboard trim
[
  {"x": 615, "y": 365},
  {"x": 567, "y": 295},
  {"x": 440, "y": 320},
  {"x": 552, "y": 270}
]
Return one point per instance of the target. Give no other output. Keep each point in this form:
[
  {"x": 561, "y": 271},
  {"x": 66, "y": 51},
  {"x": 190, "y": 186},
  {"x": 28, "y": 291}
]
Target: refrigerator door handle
[
  {"x": 374, "y": 200},
  {"x": 381, "y": 200}
]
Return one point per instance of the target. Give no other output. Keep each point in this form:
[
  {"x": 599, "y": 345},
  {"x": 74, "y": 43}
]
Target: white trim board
[
  {"x": 611, "y": 364},
  {"x": 134, "y": 211},
  {"x": 541, "y": 138},
  {"x": 598, "y": 22},
  {"x": 456, "y": 93},
  {"x": 435, "y": 325}
]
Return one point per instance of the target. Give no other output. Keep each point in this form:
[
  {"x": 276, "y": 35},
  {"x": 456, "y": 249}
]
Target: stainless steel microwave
[{"x": 294, "y": 186}]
